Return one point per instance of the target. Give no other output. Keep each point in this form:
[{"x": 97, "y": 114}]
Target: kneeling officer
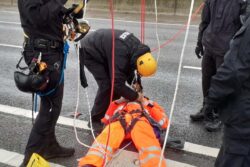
[{"x": 130, "y": 55}]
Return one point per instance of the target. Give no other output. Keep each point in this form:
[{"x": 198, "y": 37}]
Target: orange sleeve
[
  {"x": 158, "y": 114},
  {"x": 109, "y": 113}
]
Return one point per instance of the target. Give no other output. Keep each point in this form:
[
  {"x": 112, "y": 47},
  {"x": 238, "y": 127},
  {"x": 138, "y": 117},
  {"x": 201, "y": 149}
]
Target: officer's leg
[
  {"x": 42, "y": 138},
  {"x": 230, "y": 159},
  {"x": 212, "y": 119},
  {"x": 102, "y": 99},
  {"x": 208, "y": 70}
]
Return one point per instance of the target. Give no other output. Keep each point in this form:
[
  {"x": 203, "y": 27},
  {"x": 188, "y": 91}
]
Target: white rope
[
  {"x": 177, "y": 82},
  {"x": 156, "y": 32},
  {"x": 77, "y": 99},
  {"x": 118, "y": 153},
  {"x": 77, "y": 105},
  {"x": 84, "y": 9}
]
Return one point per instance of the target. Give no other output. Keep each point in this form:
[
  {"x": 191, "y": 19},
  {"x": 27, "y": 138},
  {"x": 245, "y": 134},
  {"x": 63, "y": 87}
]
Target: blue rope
[{"x": 65, "y": 52}]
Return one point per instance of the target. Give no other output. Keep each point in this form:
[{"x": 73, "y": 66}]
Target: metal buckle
[
  {"x": 41, "y": 43},
  {"x": 53, "y": 45}
]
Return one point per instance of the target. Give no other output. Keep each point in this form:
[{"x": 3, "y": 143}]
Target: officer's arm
[
  {"x": 205, "y": 19},
  {"x": 40, "y": 13},
  {"x": 233, "y": 73},
  {"x": 121, "y": 74},
  {"x": 120, "y": 86}
]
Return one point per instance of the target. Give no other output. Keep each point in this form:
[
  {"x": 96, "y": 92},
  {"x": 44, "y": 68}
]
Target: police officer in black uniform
[
  {"x": 220, "y": 21},
  {"x": 230, "y": 93},
  {"x": 42, "y": 22},
  {"x": 130, "y": 55}
]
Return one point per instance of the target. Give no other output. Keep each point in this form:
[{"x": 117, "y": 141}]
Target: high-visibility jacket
[
  {"x": 141, "y": 133},
  {"x": 151, "y": 108}
]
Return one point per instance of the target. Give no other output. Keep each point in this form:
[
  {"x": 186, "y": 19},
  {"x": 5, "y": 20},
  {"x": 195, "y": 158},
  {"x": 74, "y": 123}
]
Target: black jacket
[
  {"x": 220, "y": 20},
  {"x": 42, "y": 18},
  {"x": 97, "y": 46},
  {"x": 230, "y": 87}
]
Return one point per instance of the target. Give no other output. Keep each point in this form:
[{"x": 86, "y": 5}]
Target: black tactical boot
[
  {"x": 212, "y": 122},
  {"x": 26, "y": 159},
  {"x": 55, "y": 151},
  {"x": 23, "y": 164},
  {"x": 199, "y": 116}
]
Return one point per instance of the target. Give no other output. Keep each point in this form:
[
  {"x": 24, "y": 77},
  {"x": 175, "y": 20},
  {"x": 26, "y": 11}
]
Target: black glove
[{"x": 199, "y": 50}]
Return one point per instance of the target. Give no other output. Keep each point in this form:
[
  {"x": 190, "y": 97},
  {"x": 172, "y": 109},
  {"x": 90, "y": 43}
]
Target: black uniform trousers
[
  {"x": 234, "y": 153},
  {"x": 102, "y": 76},
  {"x": 43, "y": 132},
  {"x": 210, "y": 64}
]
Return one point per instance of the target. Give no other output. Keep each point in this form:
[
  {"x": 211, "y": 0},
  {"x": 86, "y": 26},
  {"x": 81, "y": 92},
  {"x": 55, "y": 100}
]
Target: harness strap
[
  {"x": 18, "y": 64},
  {"x": 131, "y": 126}
]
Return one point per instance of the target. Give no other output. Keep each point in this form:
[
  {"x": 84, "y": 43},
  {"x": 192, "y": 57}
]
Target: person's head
[{"x": 146, "y": 65}]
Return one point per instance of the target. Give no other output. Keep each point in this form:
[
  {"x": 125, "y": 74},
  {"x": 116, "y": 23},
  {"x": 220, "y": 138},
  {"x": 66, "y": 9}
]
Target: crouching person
[{"x": 129, "y": 120}]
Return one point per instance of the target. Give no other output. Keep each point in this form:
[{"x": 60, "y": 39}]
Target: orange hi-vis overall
[{"x": 129, "y": 120}]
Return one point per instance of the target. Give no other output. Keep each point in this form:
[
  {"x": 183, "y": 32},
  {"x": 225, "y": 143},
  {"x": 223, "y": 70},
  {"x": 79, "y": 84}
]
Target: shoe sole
[
  {"x": 196, "y": 119},
  {"x": 213, "y": 130}
]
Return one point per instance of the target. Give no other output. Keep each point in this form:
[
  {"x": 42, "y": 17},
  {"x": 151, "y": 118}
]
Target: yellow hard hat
[{"x": 146, "y": 65}]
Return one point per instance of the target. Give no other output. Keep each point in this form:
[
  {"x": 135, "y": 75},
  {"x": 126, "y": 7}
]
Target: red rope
[
  {"x": 181, "y": 30},
  {"x": 143, "y": 4},
  {"x": 111, "y": 7}
]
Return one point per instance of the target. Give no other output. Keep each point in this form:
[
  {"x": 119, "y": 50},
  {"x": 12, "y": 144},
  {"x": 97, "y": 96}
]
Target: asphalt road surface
[{"x": 201, "y": 147}]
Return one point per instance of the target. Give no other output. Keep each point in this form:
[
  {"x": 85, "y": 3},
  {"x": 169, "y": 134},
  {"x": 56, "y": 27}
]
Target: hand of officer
[
  {"x": 140, "y": 97},
  {"x": 137, "y": 87},
  {"x": 199, "y": 50}
]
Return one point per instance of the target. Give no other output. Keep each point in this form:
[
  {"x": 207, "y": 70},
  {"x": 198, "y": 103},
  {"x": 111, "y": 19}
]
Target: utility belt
[
  {"x": 43, "y": 44},
  {"x": 36, "y": 78}
]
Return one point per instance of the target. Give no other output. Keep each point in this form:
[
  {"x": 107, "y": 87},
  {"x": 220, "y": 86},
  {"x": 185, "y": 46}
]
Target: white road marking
[
  {"x": 132, "y": 156},
  {"x": 199, "y": 149},
  {"x": 118, "y": 20},
  {"x": 10, "y": 22},
  {"x": 189, "y": 147},
  {"x": 8, "y": 45},
  {"x": 27, "y": 113},
  {"x": 15, "y": 159},
  {"x": 191, "y": 67}
]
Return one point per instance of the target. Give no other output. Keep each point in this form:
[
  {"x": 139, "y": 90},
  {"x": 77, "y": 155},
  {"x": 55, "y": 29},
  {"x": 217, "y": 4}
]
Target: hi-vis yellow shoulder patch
[{"x": 37, "y": 161}]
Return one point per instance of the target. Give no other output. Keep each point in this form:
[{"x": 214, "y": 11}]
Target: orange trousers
[{"x": 143, "y": 137}]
